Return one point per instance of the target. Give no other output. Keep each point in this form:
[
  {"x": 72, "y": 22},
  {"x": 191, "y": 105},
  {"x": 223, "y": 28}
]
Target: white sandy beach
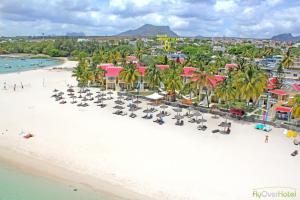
[{"x": 159, "y": 162}]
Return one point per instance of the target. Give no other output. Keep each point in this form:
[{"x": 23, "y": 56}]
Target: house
[
  {"x": 188, "y": 73},
  {"x": 112, "y": 76}
]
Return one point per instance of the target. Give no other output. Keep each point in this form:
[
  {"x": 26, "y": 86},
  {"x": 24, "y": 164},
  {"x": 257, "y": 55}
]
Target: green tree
[
  {"x": 129, "y": 75},
  {"x": 153, "y": 76},
  {"x": 288, "y": 60}
]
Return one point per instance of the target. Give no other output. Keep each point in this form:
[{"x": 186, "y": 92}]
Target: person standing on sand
[
  {"x": 15, "y": 87},
  {"x": 267, "y": 139},
  {"x": 22, "y": 85},
  {"x": 4, "y": 86}
]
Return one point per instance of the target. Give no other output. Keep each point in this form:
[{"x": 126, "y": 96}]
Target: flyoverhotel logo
[{"x": 274, "y": 193}]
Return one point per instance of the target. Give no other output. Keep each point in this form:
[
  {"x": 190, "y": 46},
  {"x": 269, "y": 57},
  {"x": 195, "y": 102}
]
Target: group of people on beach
[{"x": 15, "y": 86}]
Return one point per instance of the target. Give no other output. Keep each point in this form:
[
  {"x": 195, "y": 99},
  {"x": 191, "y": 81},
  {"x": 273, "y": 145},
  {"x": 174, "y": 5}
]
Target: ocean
[
  {"x": 16, "y": 184},
  {"x": 16, "y": 64}
]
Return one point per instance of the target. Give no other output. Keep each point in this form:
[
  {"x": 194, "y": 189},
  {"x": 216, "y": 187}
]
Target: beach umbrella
[
  {"x": 98, "y": 96},
  {"x": 147, "y": 111},
  {"x": 89, "y": 94},
  {"x": 109, "y": 92},
  {"x": 197, "y": 114},
  {"x": 177, "y": 110},
  {"x": 119, "y": 107},
  {"x": 137, "y": 101},
  {"x": 164, "y": 106},
  {"x": 70, "y": 90},
  {"x": 120, "y": 97},
  {"x": 55, "y": 90},
  {"x": 178, "y": 117},
  {"x": 202, "y": 120},
  {"x": 85, "y": 99},
  {"x": 119, "y": 102},
  {"x": 160, "y": 115},
  {"x": 61, "y": 93}
]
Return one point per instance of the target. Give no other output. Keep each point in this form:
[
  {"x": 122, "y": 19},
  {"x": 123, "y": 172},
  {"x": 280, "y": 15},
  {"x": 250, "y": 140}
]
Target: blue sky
[{"x": 239, "y": 18}]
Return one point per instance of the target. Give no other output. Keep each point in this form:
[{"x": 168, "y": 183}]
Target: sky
[{"x": 231, "y": 18}]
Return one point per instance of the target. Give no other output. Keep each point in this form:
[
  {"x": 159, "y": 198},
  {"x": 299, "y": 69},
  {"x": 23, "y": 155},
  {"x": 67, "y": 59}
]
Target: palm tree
[
  {"x": 251, "y": 83},
  {"x": 129, "y": 75},
  {"x": 82, "y": 73},
  {"x": 288, "y": 60},
  {"x": 296, "y": 106},
  {"x": 226, "y": 91},
  {"x": 139, "y": 49},
  {"x": 172, "y": 80},
  {"x": 153, "y": 76},
  {"x": 189, "y": 88},
  {"x": 202, "y": 81}
]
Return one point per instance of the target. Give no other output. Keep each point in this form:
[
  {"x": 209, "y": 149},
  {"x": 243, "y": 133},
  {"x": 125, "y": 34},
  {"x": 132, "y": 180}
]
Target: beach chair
[
  {"x": 27, "y": 136},
  {"x": 145, "y": 117},
  {"x": 193, "y": 120},
  {"x": 181, "y": 123},
  {"x": 294, "y": 153},
  {"x": 215, "y": 131},
  {"x": 202, "y": 128}
]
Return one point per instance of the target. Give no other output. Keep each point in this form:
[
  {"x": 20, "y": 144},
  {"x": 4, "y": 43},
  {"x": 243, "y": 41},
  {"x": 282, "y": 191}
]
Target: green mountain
[{"x": 149, "y": 30}]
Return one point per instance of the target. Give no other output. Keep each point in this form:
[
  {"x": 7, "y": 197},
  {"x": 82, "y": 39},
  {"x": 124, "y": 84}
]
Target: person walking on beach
[
  {"x": 22, "y": 85},
  {"x": 267, "y": 139},
  {"x": 4, "y": 85},
  {"x": 15, "y": 87}
]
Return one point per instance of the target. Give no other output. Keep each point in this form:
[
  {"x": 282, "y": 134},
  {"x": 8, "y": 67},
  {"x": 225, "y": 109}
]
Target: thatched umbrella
[
  {"x": 70, "y": 90},
  {"x": 110, "y": 93},
  {"x": 119, "y": 107},
  {"x": 119, "y": 102},
  {"x": 55, "y": 90},
  {"x": 61, "y": 93},
  {"x": 177, "y": 110}
]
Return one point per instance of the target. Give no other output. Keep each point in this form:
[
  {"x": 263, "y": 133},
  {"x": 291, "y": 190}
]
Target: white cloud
[{"x": 225, "y": 6}]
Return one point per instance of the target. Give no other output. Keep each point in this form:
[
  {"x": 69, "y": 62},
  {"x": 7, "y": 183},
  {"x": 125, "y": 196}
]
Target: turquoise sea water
[
  {"x": 9, "y": 64},
  {"x": 18, "y": 185}
]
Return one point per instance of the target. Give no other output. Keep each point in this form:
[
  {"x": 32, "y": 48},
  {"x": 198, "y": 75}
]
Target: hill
[
  {"x": 149, "y": 30},
  {"x": 287, "y": 37}
]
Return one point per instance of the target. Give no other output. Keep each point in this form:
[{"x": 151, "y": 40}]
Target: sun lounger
[
  {"x": 294, "y": 153},
  {"x": 63, "y": 102},
  {"x": 150, "y": 117},
  {"x": 27, "y": 136},
  {"x": 296, "y": 142},
  {"x": 215, "y": 131},
  {"x": 132, "y": 115},
  {"x": 193, "y": 120},
  {"x": 202, "y": 128}
]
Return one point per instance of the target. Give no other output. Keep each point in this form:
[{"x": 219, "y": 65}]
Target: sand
[{"x": 142, "y": 158}]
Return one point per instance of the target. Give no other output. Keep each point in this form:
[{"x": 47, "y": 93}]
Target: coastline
[
  {"x": 36, "y": 167},
  {"x": 128, "y": 157}
]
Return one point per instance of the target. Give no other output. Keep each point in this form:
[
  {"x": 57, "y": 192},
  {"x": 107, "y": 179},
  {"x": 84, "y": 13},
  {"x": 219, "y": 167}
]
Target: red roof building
[
  {"x": 272, "y": 82},
  {"x": 278, "y": 92},
  {"x": 188, "y": 71},
  {"x": 296, "y": 87},
  {"x": 113, "y": 71},
  {"x": 142, "y": 70},
  {"x": 284, "y": 109}
]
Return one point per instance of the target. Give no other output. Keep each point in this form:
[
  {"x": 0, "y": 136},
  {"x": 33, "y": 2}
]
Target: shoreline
[{"x": 33, "y": 166}]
